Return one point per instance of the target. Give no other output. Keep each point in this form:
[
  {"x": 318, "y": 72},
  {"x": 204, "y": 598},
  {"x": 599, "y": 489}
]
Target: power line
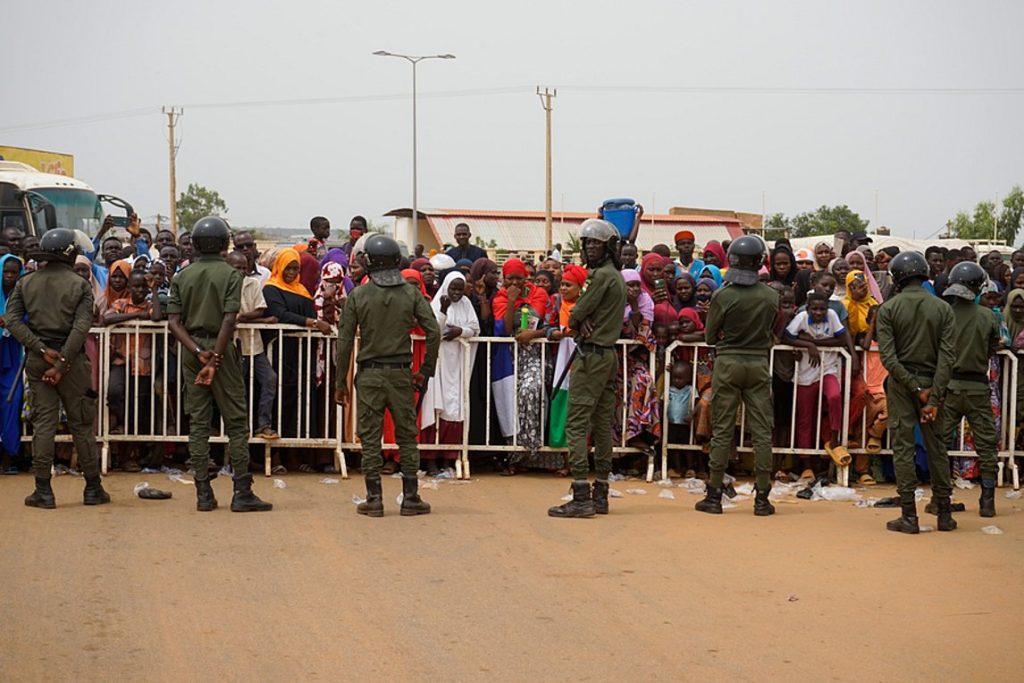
[{"x": 477, "y": 92}]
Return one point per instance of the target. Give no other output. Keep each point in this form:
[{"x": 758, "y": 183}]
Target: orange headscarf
[
  {"x": 126, "y": 269},
  {"x": 286, "y": 257}
]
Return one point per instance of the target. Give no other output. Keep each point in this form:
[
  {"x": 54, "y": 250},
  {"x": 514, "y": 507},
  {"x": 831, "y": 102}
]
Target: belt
[
  {"x": 53, "y": 343},
  {"x": 970, "y": 377},
  {"x": 588, "y": 347},
  {"x": 377, "y": 365}
]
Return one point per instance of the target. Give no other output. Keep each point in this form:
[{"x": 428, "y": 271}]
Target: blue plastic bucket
[{"x": 621, "y": 213}]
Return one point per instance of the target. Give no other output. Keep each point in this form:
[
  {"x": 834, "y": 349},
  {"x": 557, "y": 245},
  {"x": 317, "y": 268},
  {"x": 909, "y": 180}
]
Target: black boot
[
  {"x": 763, "y": 508},
  {"x": 412, "y": 504},
  {"x": 987, "y": 502},
  {"x": 932, "y": 508},
  {"x": 712, "y": 503},
  {"x": 42, "y": 497},
  {"x": 907, "y": 522},
  {"x": 581, "y": 504},
  {"x": 205, "y": 500},
  {"x": 373, "y": 506},
  {"x": 600, "y": 496},
  {"x": 94, "y": 493},
  {"x": 244, "y": 499},
  {"x": 945, "y": 521}
]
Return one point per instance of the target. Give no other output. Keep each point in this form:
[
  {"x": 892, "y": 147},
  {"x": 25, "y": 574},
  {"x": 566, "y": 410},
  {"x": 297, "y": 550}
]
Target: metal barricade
[{"x": 787, "y": 449}]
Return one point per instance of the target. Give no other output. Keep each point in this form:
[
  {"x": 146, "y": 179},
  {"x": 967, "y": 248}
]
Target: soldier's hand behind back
[
  {"x": 53, "y": 376},
  {"x": 52, "y": 357},
  {"x": 924, "y": 395},
  {"x": 928, "y": 414},
  {"x": 205, "y": 376}
]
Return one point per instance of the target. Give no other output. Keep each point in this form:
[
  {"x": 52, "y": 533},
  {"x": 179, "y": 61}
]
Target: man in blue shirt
[{"x": 463, "y": 249}]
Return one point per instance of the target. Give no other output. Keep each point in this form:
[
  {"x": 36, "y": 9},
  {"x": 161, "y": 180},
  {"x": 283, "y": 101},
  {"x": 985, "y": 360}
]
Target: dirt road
[{"x": 489, "y": 588}]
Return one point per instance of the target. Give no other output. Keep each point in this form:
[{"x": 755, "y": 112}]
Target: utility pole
[
  {"x": 173, "y": 114},
  {"x": 545, "y": 102}
]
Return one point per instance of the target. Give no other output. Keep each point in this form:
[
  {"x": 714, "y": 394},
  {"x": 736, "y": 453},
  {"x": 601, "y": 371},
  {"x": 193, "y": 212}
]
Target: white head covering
[{"x": 446, "y": 389}]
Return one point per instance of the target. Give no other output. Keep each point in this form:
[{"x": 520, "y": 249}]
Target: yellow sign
[{"x": 47, "y": 162}]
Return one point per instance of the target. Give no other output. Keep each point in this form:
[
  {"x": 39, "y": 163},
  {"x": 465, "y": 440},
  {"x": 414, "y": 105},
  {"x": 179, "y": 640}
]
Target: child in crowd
[
  {"x": 254, "y": 353},
  {"x": 680, "y": 411},
  {"x": 876, "y": 417},
  {"x": 557, "y": 330},
  {"x": 819, "y": 326},
  {"x": 131, "y": 366},
  {"x": 783, "y": 371}
]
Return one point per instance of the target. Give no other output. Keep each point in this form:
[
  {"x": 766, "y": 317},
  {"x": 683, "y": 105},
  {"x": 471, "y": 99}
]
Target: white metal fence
[{"x": 306, "y": 417}]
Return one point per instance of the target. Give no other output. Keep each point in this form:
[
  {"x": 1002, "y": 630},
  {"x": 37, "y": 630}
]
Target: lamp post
[{"x": 414, "y": 60}]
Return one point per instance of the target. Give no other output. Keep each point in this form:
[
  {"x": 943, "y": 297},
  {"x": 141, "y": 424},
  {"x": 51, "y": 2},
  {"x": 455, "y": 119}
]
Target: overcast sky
[{"x": 927, "y": 155}]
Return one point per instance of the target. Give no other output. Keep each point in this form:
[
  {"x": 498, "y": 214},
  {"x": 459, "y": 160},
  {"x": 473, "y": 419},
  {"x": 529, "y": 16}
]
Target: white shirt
[{"x": 829, "y": 328}]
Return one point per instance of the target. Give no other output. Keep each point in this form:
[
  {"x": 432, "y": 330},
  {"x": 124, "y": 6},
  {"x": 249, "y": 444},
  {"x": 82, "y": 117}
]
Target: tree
[
  {"x": 198, "y": 202},
  {"x": 776, "y": 227},
  {"x": 826, "y": 220},
  {"x": 983, "y": 224}
]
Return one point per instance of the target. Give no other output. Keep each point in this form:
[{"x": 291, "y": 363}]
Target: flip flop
[
  {"x": 866, "y": 480},
  {"x": 839, "y": 454},
  {"x": 874, "y": 445}
]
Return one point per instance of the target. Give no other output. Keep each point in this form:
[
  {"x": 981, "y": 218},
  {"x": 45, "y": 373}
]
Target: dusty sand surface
[{"x": 489, "y": 588}]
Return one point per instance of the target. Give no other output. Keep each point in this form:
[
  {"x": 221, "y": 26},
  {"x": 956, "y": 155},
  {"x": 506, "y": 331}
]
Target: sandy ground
[{"x": 489, "y": 588}]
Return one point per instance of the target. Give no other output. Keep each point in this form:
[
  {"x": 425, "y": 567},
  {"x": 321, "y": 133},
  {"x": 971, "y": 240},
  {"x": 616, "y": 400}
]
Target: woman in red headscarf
[
  {"x": 714, "y": 255},
  {"x": 519, "y": 308},
  {"x": 691, "y": 330},
  {"x": 643, "y": 414},
  {"x": 655, "y": 282}
]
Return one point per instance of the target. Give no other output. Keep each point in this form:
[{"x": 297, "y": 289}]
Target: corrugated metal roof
[{"x": 524, "y": 230}]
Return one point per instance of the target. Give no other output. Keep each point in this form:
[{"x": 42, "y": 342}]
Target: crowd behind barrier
[{"x": 306, "y": 416}]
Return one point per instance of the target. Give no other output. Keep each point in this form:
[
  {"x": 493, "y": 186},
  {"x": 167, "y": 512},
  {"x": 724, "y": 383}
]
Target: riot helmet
[
  {"x": 382, "y": 256},
  {"x": 908, "y": 265},
  {"x": 211, "y": 235},
  {"x": 58, "y": 244},
  {"x": 746, "y": 256},
  {"x": 966, "y": 280}
]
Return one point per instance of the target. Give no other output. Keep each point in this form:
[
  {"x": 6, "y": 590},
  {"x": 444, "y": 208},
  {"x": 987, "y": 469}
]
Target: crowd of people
[{"x": 828, "y": 299}]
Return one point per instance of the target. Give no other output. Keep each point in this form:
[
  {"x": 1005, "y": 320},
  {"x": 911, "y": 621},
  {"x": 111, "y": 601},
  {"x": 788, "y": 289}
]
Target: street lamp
[{"x": 414, "y": 60}]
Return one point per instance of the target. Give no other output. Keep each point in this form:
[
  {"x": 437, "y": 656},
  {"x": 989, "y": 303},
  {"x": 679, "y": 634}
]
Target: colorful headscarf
[
  {"x": 97, "y": 291},
  {"x": 514, "y": 267},
  {"x": 125, "y": 267},
  {"x": 645, "y": 303},
  {"x": 286, "y": 257},
  {"x": 328, "y": 271},
  {"x": 691, "y": 314},
  {"x": 716, "y": 248},
  {"x": 714, "y": 272},
  {"x": 480, "y": 266},
  {"x": 413, "y": 274},
  {"x": 3, "y": 295},
  {"x": 857, "y": 311},
  {"x": 709, "y": 282},
  {"x": 574, "y": 273},
  {"x": 873, "y": 289}
]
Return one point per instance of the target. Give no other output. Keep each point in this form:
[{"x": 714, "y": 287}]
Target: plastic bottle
[{"x": 524, "y": 318}]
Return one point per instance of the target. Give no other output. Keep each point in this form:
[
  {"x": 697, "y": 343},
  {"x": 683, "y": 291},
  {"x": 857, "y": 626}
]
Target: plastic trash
[
  {"x": 141, "y": 485},
  {"x": 665, "y": 482},
  {"x": 614, "y": 493},
  {"x": 150, "y": 470},
  {"x": 180, "y": 479},
  {"x": 693, "y": 484},
  {"x": 396, "y": 475},
  {"x": 666, "y": 493},
  {"x": 727, "y": 505},
  {"x": 567, "y": 497},
  {"x": 448, "y": 473},
  {"x": 992, "y": 530},
  {"x": 142, "y": 490},
  {"x": 918, "y": 494},
  {"x": 636, "y": 492},
  {"x": 357, "y": 499},
  {"x": 728, "y": 479},
  {"x": 834, "y": 493},
  {"x": 866, "y": 503},
  {"x": 962, "y": 483},
  {"x": 615, "y": 477},
  {"x": 226, "y": 471},
  {"x": 427, "y": 484},
  {"x": 398, "y": 500},
  {"x": 1013, "y": 495},
  {"x": 279, "y": 484},
  {"x": 890, "y": 502},
  {"x": 745, "y": 489},
  {"x": 926, "y": 528},
  {"x": 328, "y": 480},
  {"x": 171, "y": 470}
]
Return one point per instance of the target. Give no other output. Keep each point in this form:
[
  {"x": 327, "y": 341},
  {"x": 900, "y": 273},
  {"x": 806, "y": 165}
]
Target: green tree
[
  {"x": 197, "y": 202},
  {"x": 776, "y": 227},
  {"x": 826, "y": 220},
  {"x": 983, "y": 224}
]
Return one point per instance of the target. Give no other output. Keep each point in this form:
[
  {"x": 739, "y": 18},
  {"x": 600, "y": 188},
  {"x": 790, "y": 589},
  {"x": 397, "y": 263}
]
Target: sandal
[
  {"x": 874, "y": 444},
  {"x": 309, "y": 469},
  {"x": 267, "y": 433},
  {"x": 866, "y": 480},
  {"x": 839, "y": 454},
  {"x": 807, "y": 474},
  {"x": 279, "y": 469}
]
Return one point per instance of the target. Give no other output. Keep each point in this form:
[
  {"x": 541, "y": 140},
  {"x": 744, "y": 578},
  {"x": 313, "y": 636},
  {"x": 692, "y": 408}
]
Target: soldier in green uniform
[
  {"x": 597, "y": 320},
  {"x": 916, "y": 342},
  {"x": 385, "y": 310},
  {"x": 977, "y": 339},
  {"x": 59, "y": 307},
  {"x": 741, "y": 319},
  {"x": 205, "y": 299}
]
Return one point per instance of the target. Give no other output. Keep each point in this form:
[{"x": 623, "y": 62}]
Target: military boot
[
  {"x": 42, "y": 497},
  {"x": 907, "y": 522},
  {"x": 932, "y": 508},
  {"x": 712, "y": 503},
  {"x": 763, "y": 508},
  {"x": 600, "y": 496},
  {"x": 412, "y": 504},
  {"x": 373, "y": 506},
  {"x": 244, "y": 499},
  {"x": 987, "y": 502},
  {"x": 581, "y": 504},
  {"x": 94, "y": 493},
  {"x": 945, "y": 521},
  {"x": 205, "y": 500}
]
